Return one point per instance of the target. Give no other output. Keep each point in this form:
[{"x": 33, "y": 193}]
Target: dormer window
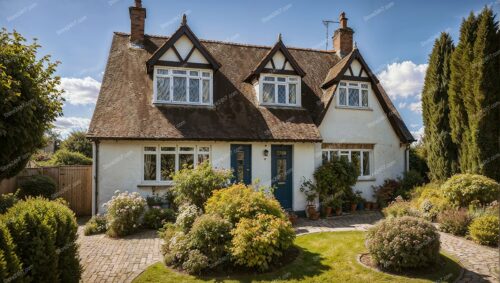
[
  {"x": 353, "y": 95},
  {"x": 182, "y": 86},
  {"x": 279, "y": 90}
]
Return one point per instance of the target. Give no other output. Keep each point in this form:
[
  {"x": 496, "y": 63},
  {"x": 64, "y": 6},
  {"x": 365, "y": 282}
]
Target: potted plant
[
  {"x": 309, "y": 189},
  {"x": 368, "y": 205},
  {"x": 361, "y": 203},
  {"x": 337, "y": 205},
  {"x": 327, "y": 206},
  {"x": 356, "y": 200}
]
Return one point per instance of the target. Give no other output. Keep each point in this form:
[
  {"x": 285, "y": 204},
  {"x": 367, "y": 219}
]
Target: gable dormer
[
  {"x": 277, "y": 78},
  {"x": 182, "y": 70}
]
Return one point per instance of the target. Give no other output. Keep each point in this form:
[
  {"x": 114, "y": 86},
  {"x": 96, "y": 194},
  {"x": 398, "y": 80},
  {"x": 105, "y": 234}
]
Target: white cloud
[
  {"x": 418, "y": 134},
  {"x": 80, "y": 91},
  {"x": 402, "y": 105},
  {"x": 415, "y": 107},
  {"x": 65, "y": 125},
  {"x": 403, "y": 79}
]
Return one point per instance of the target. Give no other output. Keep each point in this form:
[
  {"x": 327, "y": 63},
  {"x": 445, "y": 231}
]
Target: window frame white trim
[
  {"x": 298, "y": 90},
  {"x": 187, "y": 76},
  {"x": 370, "y": 156},
  {"x": 177, "y": 152},
  {"x": 360, "y": 94}
]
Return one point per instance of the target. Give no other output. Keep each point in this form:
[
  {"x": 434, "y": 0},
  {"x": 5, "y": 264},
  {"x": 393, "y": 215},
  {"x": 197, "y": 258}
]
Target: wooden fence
[{"x": 74, "y": 184}]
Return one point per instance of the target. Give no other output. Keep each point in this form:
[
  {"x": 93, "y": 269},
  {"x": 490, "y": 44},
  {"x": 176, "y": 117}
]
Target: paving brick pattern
[{"x": 121, "y": 260}]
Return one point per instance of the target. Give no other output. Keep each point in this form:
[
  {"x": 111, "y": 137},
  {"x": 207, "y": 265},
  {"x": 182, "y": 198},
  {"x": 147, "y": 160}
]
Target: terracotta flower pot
[
  {"x": 328, "y": 211},
  {"x": 368, "y": 205},
  {"x": 354, "y": 206},
  {"x": 338, "y": 211},
  {"x": 375, "y": 206},
  {"x": 311, "y": 211}
]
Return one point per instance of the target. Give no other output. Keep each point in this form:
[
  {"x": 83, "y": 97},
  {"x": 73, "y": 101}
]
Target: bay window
[
  {"x": 182, "y": 86},
  {"x": 353, "y": 94},
  {"x": 360, "y": 158},
  {"x": 161, "y": 162},
  {"x": 280, "y": 90}
]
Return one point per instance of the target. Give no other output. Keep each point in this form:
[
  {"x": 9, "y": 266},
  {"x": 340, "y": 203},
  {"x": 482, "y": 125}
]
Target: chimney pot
[
  {"x": 137, "y": 22},
  {"x": 343, "y": 37}
]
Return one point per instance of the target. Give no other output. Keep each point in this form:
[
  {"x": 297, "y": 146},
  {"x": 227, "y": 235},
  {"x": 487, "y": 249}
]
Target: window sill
[
  {"x": 155, "y": 184},
  {"x": 282, "y": 106},
  {"x": 354, "y": 108},
  {"x": 187, "y": 105},
  {"x": 367, "y": 179}
]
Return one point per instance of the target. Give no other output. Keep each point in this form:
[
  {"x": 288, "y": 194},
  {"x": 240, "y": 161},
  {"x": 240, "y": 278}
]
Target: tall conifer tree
[{"x": 441, "y": 151}]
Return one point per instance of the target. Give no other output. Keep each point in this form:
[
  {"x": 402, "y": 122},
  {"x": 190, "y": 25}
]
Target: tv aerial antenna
[{"x": 327, "y": 23}]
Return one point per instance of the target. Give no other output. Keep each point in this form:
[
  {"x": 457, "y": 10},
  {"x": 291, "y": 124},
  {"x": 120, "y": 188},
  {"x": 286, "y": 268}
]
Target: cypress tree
[
  {"x": 460, "y": 88},
  {"x": 441, "y": 151},
  {"x": 483, "y": 105}
]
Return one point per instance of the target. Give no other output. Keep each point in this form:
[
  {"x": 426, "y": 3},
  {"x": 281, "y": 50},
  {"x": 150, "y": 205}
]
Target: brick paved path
[{"x": 121, "y": 260}]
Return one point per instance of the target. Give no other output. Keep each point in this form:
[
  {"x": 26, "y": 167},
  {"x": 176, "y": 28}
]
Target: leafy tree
[
  {"x": 441, "y": 151},
  {"x": 418, "y": 157},
  {"x": 77, "y": 142},
  {"x": 30, "y": 101},
  {"x": 483, "y": 107}
]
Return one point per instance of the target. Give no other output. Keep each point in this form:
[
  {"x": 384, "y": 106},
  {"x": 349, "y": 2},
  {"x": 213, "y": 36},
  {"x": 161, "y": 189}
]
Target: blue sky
[{"x": 395, "y": 37}]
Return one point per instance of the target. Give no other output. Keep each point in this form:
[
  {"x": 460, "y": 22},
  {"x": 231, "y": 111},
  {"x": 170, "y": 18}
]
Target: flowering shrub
[
  {"x": 187, "y": 215},
  {"x": 124, "y": 212},
  {"x": 403, "y": 242},
  {"x": 260, "y": 240},
  {"x": 464, "y": 189},
  {"x": 156, "y": 217},
  {"x": 485, "y": 229},
  {"x": 399, "y": 209},
  {"x": 240, "y": 201},
  {"x": 96, "y": 225},
  {"x": 454, "y": 221},
  {"x": 195, "y": 262},
  {"x": 430, "y": 201}
]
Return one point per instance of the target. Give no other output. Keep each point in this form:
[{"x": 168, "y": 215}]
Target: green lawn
[{"x": 325, "y": 257}]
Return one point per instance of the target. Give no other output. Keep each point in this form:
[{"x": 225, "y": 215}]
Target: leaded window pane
[
  {"x": 167, "y": 166},
  {"x": 206, "y": 91},
  {"x": 342, "y": 96},
  {"x": 324, "y": 156},
  {"x": 364, "y": 98},
  {"x": 280, "y": 79},
  {"x": 186, "y": 160},
  {"x": 163, "y": 88},
  {"x": 353, "y": 97},
  {"x": 356, "y": 159},
  {"x": 269, "y": 79},
  {"x": 203, "y": 157},
  {"x": 268, "y": 93},
  {"x": 194, "y": 90},
  {"x": 193, "y": 73},
  {"x": 282, "y": 94},
  {"x": 162, "y": 72},
  {"x": 149, "y": 167},
  {"x": 292, "y": 93},
  {"x": 179, "y": 89},
  {"x": 366, "y": 163},
  {"x": 180, "y": 72}
]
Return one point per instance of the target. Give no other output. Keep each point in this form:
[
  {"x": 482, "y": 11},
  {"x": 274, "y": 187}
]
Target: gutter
[{"x": 96, "y": 177}]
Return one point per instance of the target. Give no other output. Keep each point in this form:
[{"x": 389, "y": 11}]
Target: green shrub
[
  {"x": 485, "y": 229},
  {"x": 257, "y": 242},
  {"x": 10, "y": 266},
  {"x": 400, "y": 209},
  {"x": 211, "y": 235},
  {"x": 195, "y": 262},
  {"x": 156, "y": 217},
  {"x": 176, "y": 247},
  {"x": 186, "y": 217},
  {"x": 77, "y": 142},
  {"x": 454, "y": 221},
  {"x": 417, "y": 158},
  {"x": 45, "y": 234},
  {"x": 240, "y": 201},
  {"x": 464, "y": 189},
  {"x": 335, "y": 178},
  {"x": 7, "y": 201},
  {"x": 195, "y": 186},
  {"x": 96, "y": 225},
  {"x": 408, "y": 182},
  {"x": 124, "y": 213},
  {"x": 66, "y": 157},
  {"x": 430, "y": 201},
  {"x": 386, "y": 192},
  {"x": 403, "y": 243},
  {"x": 37, "y": 185}
]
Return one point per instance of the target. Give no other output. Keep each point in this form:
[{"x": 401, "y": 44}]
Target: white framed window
[
  {"x": 353, "y": 94},
  {"x": 362, "y": 158},
  {"x": 160, "y": 162},
  {"x": 182, "y": 86},
  {"x": 279, "y": 90}
]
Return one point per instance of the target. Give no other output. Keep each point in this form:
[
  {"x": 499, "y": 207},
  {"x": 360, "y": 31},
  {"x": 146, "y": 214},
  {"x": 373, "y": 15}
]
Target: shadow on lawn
[{"x": 306, "y": 264}]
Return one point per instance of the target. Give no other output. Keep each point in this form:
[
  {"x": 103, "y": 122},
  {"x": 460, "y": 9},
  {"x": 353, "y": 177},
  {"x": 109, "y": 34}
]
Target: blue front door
[
  {"x": 282, "y": 174},
  {"x": 241, "y": 163}
]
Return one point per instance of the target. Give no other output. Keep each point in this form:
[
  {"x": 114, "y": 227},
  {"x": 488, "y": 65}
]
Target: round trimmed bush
[
  {"x": 45, "y": 233},
  {"x": 9, "y": 262},
  {"x": 258, "y": 241},
  {"x": 240, "y": 201},
  {"x": 403, "y": 243},
  {"x": 211, "y": 235},
  {"x": 463, "y": 189},
  {"x": 156, "y": 217},
  {"x": 454, "y": 221},
  {"x": 37, "y": 185},
  {"x": 485, "y": 229},
  {"x": 124, "y": 213}
]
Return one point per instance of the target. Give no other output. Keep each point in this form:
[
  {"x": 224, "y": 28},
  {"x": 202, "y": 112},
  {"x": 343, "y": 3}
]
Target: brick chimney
[
  {"x": 137, "y": 17},
  {"x": 343, "y": 37}
]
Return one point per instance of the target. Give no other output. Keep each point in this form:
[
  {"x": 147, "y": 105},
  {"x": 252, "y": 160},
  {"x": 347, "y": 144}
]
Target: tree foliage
[
  {"x": 30, "y": 100},
  {"x": 78, "y": 142},
  {"x": 441, "y": 151}
]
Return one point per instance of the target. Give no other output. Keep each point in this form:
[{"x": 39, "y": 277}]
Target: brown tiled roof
[{"x": 124, "y": 109}]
